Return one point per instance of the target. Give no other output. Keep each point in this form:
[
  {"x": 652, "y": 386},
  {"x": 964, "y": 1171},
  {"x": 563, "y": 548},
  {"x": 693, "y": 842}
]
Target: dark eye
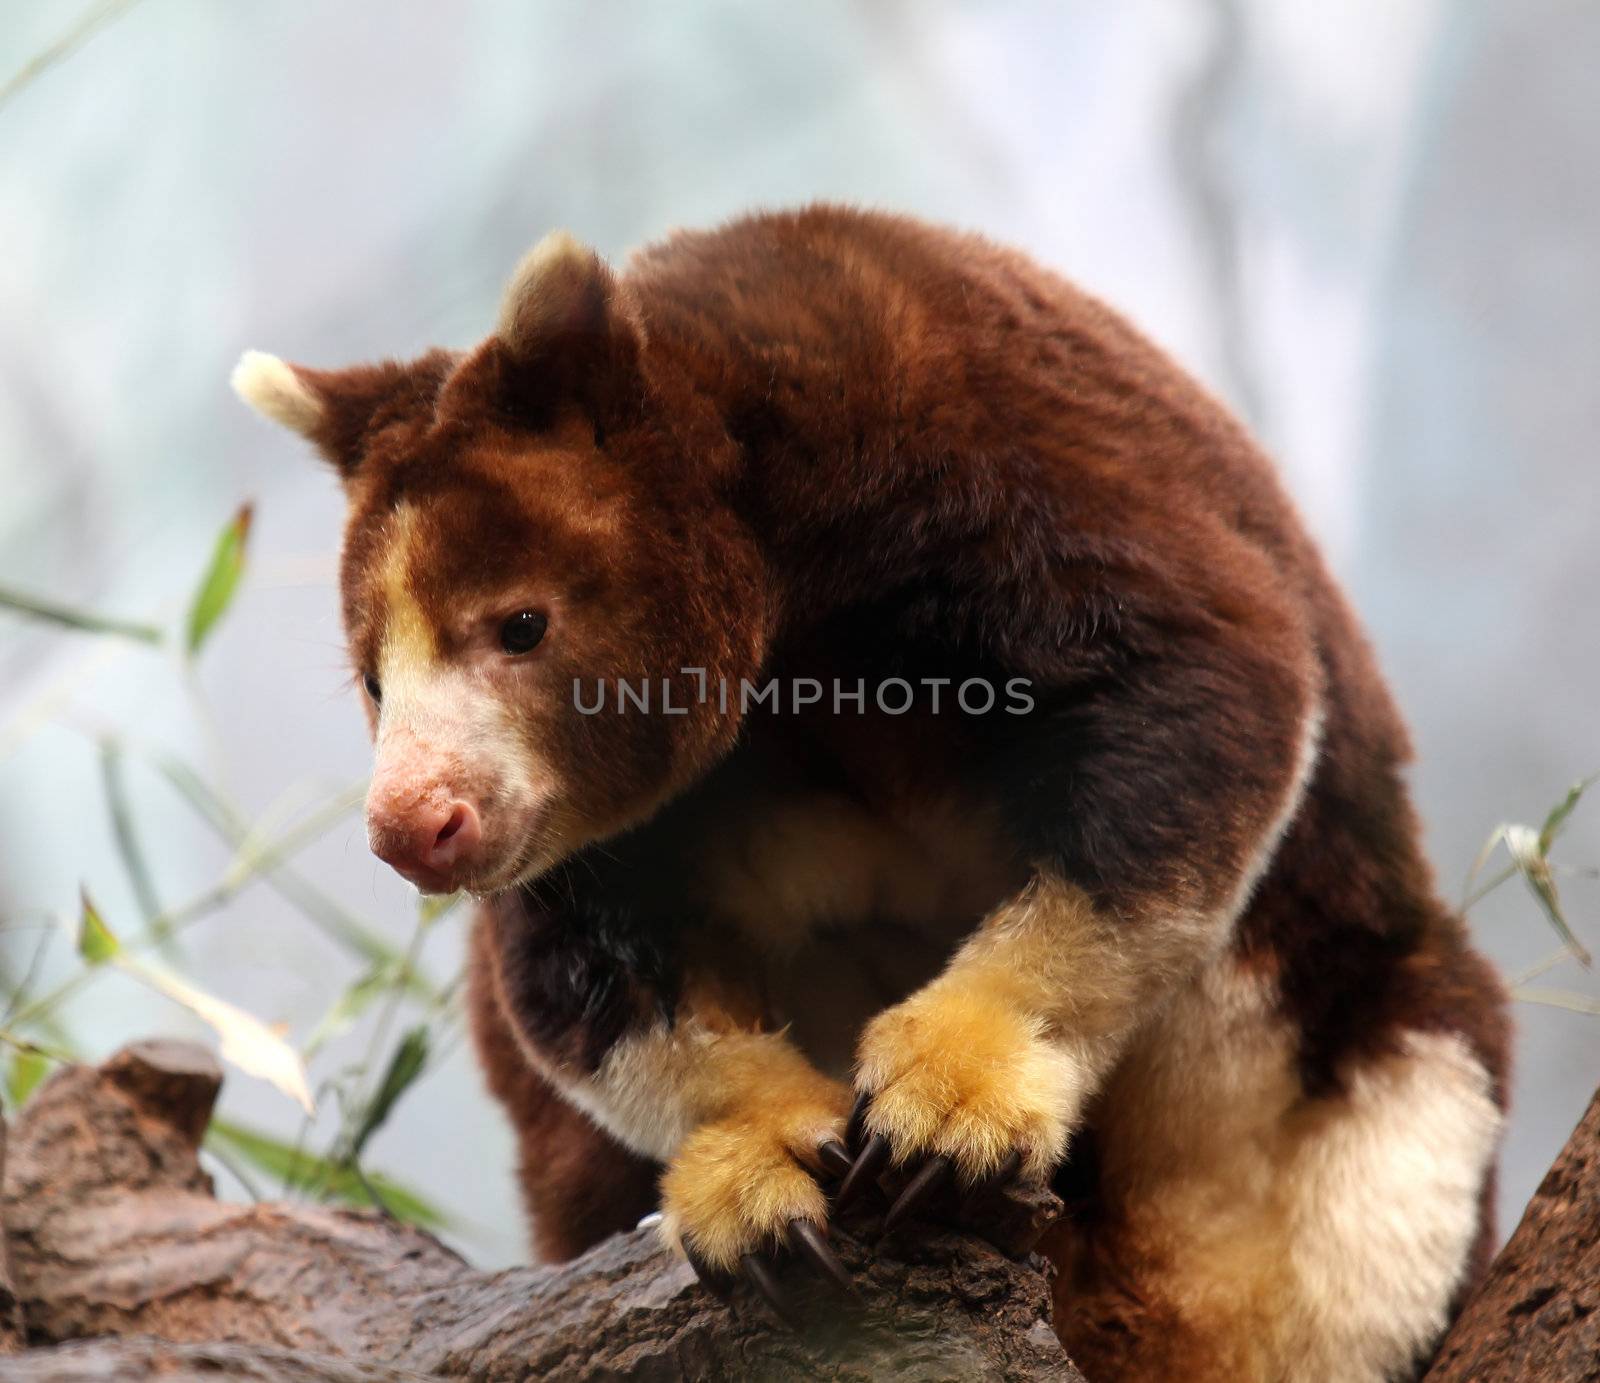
[
  {"x": 522, "y": 632},
  {"x": 373, "y": 689}
]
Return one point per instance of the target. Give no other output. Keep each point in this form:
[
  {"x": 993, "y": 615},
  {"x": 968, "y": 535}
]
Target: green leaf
[
  {"x": 284, "y": 1161},
  {"x": 1557, "y": 820},
  {"x": 28, "y": 1067},
  {"x": 221, "y": 580},
  {"x": 355, "y": 1001},
  {"x": 294, "y": 1165},
  {"x": 82, "y": 620},
  {"x": 1530, "y": 857},
  {"x": 1523, "y": 844},
  {"x": 400, "y": 1201},
  {"x": 97, "y": 943},
  {"x": 257, "y": 856},
  {"x": 125, "y": 833},
  {"x": 404, "y": 1067},
  {"x": 334, "y": 919}
]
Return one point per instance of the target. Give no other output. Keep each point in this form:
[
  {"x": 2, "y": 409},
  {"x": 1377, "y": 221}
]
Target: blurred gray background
[{"x": 1372, "y": 226}]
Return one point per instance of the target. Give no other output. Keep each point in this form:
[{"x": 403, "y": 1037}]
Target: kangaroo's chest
[{"x": 835, "y": 910}]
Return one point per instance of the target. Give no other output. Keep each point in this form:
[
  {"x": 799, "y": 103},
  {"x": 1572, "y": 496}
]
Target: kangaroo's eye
[
  {"x": 373, "y": 689},
  {"x": 522, "y": 632}
]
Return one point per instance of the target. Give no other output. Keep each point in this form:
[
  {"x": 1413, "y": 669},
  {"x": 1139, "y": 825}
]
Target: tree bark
[
  {"x": 123, "y": 1264},
  {"x": 118, "y": 1358},
  {"x": 1537, "y": 1315},
  {"x": 118, "y": 1243},
  {"x": 10, "y": 1308}
]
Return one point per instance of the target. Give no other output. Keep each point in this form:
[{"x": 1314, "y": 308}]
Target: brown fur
[
  {"x": 578, "y": 1184},
  {"x": 838, "y": 445}
]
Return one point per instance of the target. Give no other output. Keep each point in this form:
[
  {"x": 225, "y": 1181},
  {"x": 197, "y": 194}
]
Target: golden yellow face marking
[
  {"x": 409, "y": 648},
  {"x": 444, "y": 729}
]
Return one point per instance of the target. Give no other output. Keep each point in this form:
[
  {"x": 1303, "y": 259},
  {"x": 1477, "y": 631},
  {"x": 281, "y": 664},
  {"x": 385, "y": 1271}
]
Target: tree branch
[
  {"x": 123, "y": 1264},
  {"x": 114, "y": 1232},
  {"x": 1537, "y": 1315}
]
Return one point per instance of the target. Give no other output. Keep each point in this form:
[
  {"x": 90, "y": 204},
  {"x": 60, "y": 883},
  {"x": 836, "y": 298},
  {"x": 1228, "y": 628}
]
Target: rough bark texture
[
  {"x": 1537, "y": 1315},
  {"x": 10, "y": 1309},
  {"x": 123, "y": 1265},
  {"x": 121, "y": 1359},
  {"x": 114, "y": 1232}
]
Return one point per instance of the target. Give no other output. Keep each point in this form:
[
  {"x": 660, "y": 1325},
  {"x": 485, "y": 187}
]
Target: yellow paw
[
  {"x": 737, "y": 1183},
  {"x": 955, "y": 1075}
]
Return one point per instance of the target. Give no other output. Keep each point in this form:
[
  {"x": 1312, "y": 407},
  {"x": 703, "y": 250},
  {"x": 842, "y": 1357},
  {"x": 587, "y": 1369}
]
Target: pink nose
[{"x": 429, "y": 841}]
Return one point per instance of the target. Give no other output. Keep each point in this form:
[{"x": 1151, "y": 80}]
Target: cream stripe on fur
[
  {"x": 1383, "y": 1207},
  {"x": 1313, "y": 1241}
]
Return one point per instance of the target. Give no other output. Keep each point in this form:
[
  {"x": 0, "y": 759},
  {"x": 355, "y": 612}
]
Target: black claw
[
  {"x": 760, "y": 1276},
  {"x": 715, "y": 1282},
  {"x": 836, "y": 1160},
  {"x": 809, "y": 1241},
  {"x": 858, "y": 1121},
  {"x": 867, "y": 1166},
  {"x": 917, "y": 1190}
]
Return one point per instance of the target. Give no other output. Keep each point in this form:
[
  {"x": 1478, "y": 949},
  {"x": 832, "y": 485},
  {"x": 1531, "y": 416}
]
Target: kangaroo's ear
[
  {"x": 569, "y": 332},
  {"x": 335, "y": 409},
  {"x": 277, "y": 390}
]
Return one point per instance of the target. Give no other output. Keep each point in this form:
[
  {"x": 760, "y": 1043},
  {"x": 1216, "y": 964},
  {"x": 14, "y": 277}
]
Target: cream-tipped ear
[
  {"x": 276, "y": 391},
  {"x": 561, "y": 286}
]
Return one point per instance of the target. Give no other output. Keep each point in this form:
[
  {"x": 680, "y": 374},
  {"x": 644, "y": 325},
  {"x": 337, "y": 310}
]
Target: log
[
  {"x": 1537, "y": 1314},
  {"x": 118, "y": 1243}
]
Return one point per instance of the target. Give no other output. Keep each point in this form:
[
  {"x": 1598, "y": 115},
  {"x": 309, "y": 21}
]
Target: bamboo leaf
[
  {"x": 398, "y": 1200},
  {"x": 259, "y": 857},
  {"x": 28, "y": 1066},
  {"x": 245, "y": 1040},
  {"x": 350, "y": 1005},
  {"x": 97, "y": 943},
  {"x": 216, "y": 590},
  {"x": 1523, "y": 843},
  {"x": 82, "y": 30},
  {"x": 288, "y": 1162},
  {"x": 1556, "y": 821},
  {"x": 291, "y": 1164},
  {"x": 1558, "y": 998},
  {"x": 125, "y": 833},
  {"x": 1482, "y": 857},
  {"x": 404, "y": 1067},
  {"x": 335, "y": 920},
  {"x": 84, "y": 621},
  {"x": 1542, "y": 966}
]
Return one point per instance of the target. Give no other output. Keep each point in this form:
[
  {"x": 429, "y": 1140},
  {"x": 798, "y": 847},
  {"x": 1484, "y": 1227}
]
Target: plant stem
[
  {"x": 126, "y": 835},
  {"x": 174, "y": 920},
  {"x": 39, "y": 608}
]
